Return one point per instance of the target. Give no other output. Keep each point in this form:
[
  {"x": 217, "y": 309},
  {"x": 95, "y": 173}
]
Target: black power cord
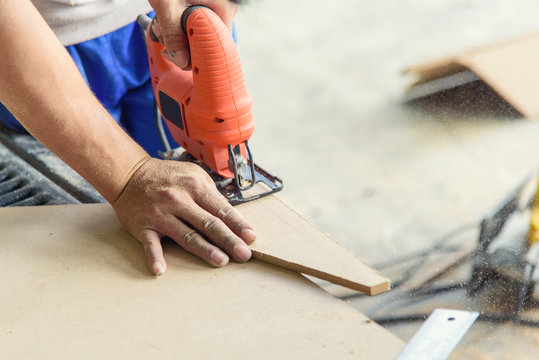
[
  {"x": 421, "y": 256},
  {"x": 420, "y": 293}
]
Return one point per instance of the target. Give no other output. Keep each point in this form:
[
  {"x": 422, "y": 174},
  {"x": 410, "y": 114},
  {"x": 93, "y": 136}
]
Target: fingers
[
  {"x": 192, "y": 241},
  {"x": 168, "y": 29},
  {"x": 154, "y": 252},
  {"x": 216, "y": 204},
  {"x": 216, "y": 231}
]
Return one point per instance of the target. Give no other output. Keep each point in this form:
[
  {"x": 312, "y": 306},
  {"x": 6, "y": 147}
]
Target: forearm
[{"x": 42, "y": 87}]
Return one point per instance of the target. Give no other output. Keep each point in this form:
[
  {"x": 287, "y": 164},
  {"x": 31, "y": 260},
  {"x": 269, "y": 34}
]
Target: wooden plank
[
  {"x": 508, "y": 67},
  {"x": 75, "y": 285},
  {"x": 288, "y": 240}
]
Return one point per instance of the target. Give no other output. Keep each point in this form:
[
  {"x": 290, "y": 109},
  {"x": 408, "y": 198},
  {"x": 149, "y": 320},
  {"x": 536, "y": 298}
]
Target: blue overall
[{"x": 115, "y": 67}]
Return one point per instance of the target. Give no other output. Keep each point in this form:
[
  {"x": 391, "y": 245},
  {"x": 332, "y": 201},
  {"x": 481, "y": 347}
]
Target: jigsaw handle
[{"x": 208, "y": 108}]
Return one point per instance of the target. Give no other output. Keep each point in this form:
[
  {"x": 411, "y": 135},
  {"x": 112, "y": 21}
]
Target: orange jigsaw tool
[{"x": 208, "y": 109}]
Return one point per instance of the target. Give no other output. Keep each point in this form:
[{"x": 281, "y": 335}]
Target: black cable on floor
[
  {"x": 438, "y": 244},
  {"x": 413, "y": 296},
  {"x": 423, "y": 257}
]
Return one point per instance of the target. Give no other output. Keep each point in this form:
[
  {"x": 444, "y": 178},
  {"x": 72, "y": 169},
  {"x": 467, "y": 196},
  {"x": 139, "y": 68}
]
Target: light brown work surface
[
  {"x": 509, "y": 67},
  {"x": 75, "y": 285},
  {"x": 288, "y": 240}
]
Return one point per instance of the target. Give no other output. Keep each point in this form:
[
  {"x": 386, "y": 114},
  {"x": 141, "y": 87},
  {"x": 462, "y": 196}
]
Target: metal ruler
[{"x": 439, "y": 335}]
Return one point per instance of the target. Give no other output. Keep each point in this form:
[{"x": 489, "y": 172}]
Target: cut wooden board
[
  {"x": 509, "y": 68},
  {"x": 286, "y": 239},
  {"x": 75, "y": 285}
]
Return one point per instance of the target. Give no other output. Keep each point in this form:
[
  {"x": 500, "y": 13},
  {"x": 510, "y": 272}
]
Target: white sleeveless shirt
[{"x": 75, "y": 21}]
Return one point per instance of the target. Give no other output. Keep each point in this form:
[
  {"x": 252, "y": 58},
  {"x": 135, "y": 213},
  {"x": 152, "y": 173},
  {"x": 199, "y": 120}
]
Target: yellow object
[{"x": 533, "y": 233}]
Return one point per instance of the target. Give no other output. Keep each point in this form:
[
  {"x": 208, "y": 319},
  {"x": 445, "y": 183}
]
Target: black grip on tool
[
  {"x": 188, "y": 12},
  {"x": 144, "y": 22},
  {"x": 153, "y": 37}
]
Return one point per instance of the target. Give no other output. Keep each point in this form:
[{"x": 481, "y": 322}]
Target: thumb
[{"x": 170, "y": 30}]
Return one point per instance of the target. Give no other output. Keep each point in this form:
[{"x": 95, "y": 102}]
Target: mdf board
[
  {"x": 508, "y": 67},
  {"x": 286, "y": 239},
  {"x": 75, "y": 285}
]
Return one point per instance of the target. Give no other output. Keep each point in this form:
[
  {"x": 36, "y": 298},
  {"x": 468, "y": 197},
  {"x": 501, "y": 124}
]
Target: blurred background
[{"x": 383, "y": 177}]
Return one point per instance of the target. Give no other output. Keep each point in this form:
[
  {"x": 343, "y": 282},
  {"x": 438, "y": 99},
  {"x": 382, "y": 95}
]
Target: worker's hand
[
  {"x": 179, "y": 200},
  {"x": 168, "y": 28}
]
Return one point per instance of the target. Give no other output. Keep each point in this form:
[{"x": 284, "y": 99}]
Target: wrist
[{"x": 129, "y": 176}]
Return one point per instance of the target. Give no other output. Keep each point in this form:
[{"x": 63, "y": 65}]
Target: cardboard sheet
[
  {"x": 75, "y": 285},
  {"x": 509, "y": 68},
  {"x": 286, "y": 239}
]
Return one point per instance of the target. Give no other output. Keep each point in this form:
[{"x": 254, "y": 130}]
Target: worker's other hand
[
  {"x": 179, "y": 200},
  {"x": 167, "y": 25}
]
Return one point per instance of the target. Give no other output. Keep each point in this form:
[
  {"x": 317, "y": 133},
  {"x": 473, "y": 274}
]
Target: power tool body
[{"x": 208, "y": 109}]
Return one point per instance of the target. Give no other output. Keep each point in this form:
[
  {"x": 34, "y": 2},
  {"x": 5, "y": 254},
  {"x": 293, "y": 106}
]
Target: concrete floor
[{"x": 382, "y": 177}]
